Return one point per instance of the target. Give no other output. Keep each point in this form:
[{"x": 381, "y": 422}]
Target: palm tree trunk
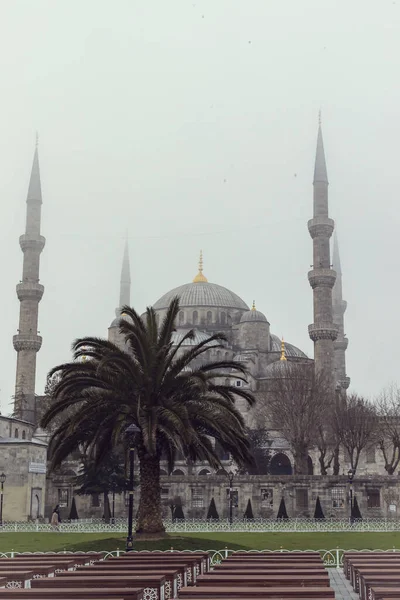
[{"x": 149, "y": 514}]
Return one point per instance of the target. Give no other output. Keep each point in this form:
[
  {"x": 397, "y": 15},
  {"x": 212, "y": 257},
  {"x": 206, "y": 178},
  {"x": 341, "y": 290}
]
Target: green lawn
[{"x": 200, "y": 541}]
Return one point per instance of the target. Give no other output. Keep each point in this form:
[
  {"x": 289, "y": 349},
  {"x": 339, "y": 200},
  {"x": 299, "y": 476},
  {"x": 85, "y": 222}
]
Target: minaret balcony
[
  {"x": 29, "y": 241},
  {"x": 322, "y": 278},
  {"x": 344, "y": 383},
  {"x": 321, "y": 226},
  {"x": 341, "y": 344},
  {"x": 27, "y": 341},
  {"x": 29, "y": 291},
  {"x": 323, "y": 331}
]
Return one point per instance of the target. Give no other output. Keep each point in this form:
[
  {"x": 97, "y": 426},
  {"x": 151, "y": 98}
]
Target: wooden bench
[
  {"x": 379, "y": 592},
  {"x": 64, "y": 593},
  {"x": 373, "y": 561},
  {"x": 204, "y": 556},
  {"x": 37, "y": 570},
  {"x": 282, "y": 572},
  {"x": 369, "y": 581},
  {"x": 309, "y": 556},
  {"x": 20, "y": 578},
  {"x": 282, "y": 592},
  {"x": 171, "y": 575},
  {"x": 193, "y": 564},
  {"x": 267, "y": 566},
  {"x": 152, "y": 586},
  {"x": 350, "y": 556},
  {"x": 373, "y": 570},
  {"x": 73, "y": 562},
  {"x": 263, "y": 580},
  {"x": 134, "y": 568}
]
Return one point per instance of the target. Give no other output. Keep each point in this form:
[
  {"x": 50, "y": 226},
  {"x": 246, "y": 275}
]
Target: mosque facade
[{"x": 207, "y": 308}]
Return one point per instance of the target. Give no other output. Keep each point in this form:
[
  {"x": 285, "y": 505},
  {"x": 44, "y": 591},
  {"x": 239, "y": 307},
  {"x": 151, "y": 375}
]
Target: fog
[{"x": 192, "y": 124}]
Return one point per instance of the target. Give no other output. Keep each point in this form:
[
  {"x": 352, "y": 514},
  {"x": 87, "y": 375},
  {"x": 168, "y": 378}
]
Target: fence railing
[
  {"x": 331, "y": 558},
  {"x": 300, "y": 525}
]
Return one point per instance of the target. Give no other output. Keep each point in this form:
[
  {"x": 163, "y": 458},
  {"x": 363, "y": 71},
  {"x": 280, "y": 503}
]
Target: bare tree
[
  {"x": 297, "y": 400},
  {"x": 355, "y": 424},
  {"x": 388, "y": 434}
]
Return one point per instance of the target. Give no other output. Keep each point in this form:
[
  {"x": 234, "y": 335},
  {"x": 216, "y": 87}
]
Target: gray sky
[{"x": 193, "y": 124}]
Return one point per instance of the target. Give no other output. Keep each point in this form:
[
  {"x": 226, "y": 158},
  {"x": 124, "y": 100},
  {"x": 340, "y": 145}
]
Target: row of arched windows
[
  {"x": 195, "y": 318},
  {"x": 16, "y": 434}
]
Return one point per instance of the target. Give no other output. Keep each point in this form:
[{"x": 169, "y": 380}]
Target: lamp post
[
  {"x": 132, "y": 432},
  {"x": 2, "y": 480},
  {"x": 350, "y": 474},
  {"x": 113, "y": 482},
  {"x": 230, "y": 475}
]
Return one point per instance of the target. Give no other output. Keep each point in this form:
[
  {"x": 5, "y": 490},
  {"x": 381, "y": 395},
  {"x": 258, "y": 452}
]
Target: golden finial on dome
[
  {"x": 283, "y": 351},
  {"x": 254, "y": 305},
  {"x": 200, "y": 278}
]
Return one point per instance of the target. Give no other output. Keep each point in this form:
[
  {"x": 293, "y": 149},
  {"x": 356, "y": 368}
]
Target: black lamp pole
[
  {"x": 230, "y": 475},
  {"x": 113, "y": 480},
  {"x": 132, "y": 432},
  {"x": 350, "y": 474},
  {"x": 2, "y": 480}
]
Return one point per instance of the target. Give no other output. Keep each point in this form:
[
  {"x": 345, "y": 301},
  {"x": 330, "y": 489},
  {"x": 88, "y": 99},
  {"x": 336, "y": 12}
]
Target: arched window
[
  {"x": 209, "y": 317},
  {"x": 226, "y": 355},
  {"x": 204, "y": 472},
  {"x": 16, "y": 434},
  {"x": 195, "y": 317},
  {"x": 280, "y": 465},
  {"x": 227, "y": 381},
  {"x": 223, "y": 318},
  {"x": 178, "y": 472},
  {"x": 218, "y": 355},
  {"x": 181, "y": 317},
  {"x": 23, "y": 434}
]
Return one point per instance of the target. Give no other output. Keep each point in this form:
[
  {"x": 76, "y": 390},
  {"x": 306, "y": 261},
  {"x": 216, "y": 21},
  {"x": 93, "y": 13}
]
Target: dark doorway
[{"x": 280, "y": 465}]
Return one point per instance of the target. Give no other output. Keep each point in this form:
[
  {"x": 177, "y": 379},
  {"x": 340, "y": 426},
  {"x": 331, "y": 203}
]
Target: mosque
[{"x": 208, "y": 308}]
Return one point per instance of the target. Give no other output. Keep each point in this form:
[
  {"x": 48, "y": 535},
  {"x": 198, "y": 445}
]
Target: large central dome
[{"x": 202, "y": 294}]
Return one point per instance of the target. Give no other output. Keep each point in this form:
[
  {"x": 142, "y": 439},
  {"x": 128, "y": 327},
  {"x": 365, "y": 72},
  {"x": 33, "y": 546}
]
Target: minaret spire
[
  {"x": 323, "y": 332},
  {"x": 339, "y": 308},
  {"x": 125, "y": 283},
  {"x": 29, "y": 291}
]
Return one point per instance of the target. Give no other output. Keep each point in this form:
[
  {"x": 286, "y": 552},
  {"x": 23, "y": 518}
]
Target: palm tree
[{"x": 171, "y": 394}]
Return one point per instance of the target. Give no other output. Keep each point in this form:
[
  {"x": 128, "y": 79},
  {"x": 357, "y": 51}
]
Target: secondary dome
[
  {"x": 253, "y": 315},
  {"x": 199, "y": 336},
  {"x": 290, "y": 350}
]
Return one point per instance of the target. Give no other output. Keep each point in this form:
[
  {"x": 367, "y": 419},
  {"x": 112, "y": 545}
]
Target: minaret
[
  {"x": 339, "y": 308},
  {"x": 323, "y": 332},
  {"x": 125, "y": 283},
  {"x": 124, "y": 299},
  {"x": 29, "y": 291}
]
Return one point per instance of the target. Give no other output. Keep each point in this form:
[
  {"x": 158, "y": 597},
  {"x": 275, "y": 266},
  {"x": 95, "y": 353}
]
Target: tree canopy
[{"x": 172, "y": 394}]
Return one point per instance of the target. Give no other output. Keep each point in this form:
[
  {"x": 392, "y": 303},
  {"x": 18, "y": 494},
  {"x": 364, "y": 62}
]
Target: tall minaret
[
  {"x": 124, "y": 296},
  {"x": 29, "y": 291},
  {"x": 125, "y": 283},
  {"x": 323, "y": 332},
  {"x": 339, "y": 308}
]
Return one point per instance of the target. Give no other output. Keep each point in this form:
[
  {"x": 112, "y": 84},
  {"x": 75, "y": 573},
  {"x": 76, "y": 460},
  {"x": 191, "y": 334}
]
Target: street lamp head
[
  {"x": 132, "y": 431},
  {"x": 3, "y": 477},
  {"x": 350, "y": 474}
]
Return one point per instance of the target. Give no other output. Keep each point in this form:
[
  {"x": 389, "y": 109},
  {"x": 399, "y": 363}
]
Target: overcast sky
[{"x": 193, "y": 123}]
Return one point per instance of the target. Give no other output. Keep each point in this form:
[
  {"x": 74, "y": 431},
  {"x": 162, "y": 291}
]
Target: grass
[{"x": 42, "y": 542}]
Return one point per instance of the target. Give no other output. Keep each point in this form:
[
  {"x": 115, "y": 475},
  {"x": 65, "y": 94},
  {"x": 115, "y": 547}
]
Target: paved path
[{"x": 341, "y": 586}]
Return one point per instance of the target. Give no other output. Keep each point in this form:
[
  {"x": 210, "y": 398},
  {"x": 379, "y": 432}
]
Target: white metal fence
[
  {"x": 331, "y": 558},
  {"x": 300, "y": 525}
]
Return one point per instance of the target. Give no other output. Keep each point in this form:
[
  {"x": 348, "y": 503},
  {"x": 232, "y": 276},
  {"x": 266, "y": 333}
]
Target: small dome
[
  {"x": 290, "y": 350},
  {"x": 199, "y": 336},
  {"x": 253, "y": 315},
  {"x": 277, "y": 368}
]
